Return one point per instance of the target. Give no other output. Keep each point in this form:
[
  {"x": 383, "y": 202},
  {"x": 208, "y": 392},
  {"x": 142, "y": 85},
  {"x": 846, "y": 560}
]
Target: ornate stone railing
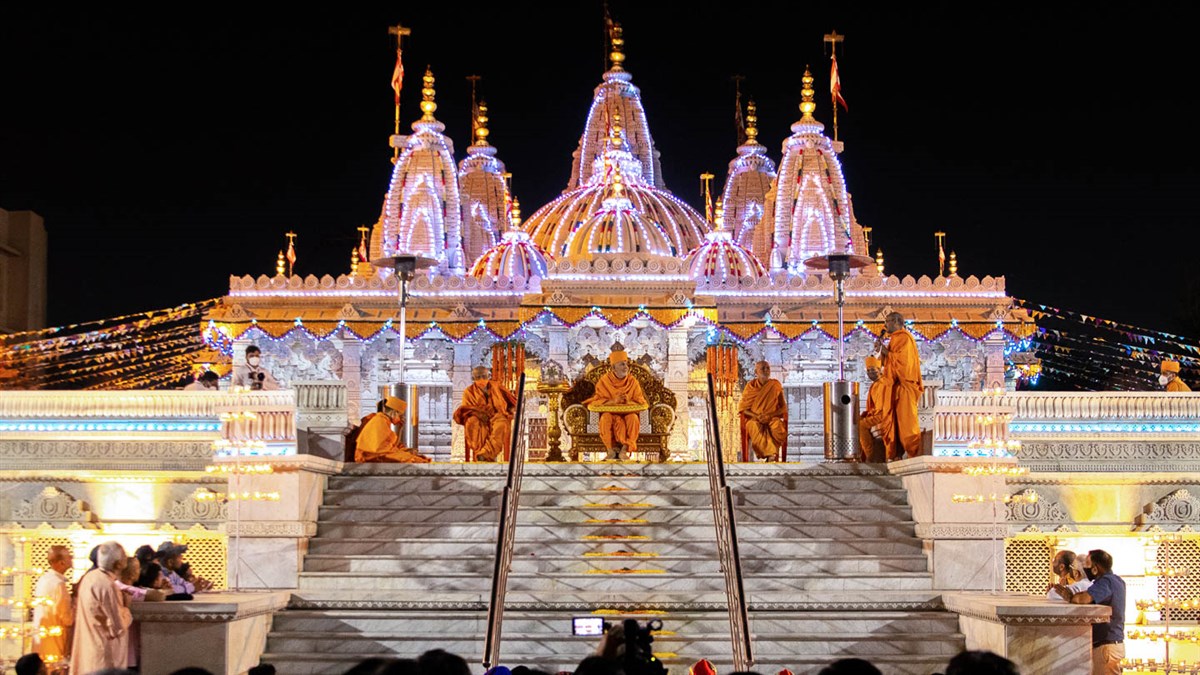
[
  {"x": 1085, "y": 405},
  {"x": 1095, "y": 431}
]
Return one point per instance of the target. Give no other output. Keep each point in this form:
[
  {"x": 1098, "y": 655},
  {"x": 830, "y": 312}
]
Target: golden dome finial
[
  {"x": 751, "y": 122},
  {"x": 427, "y": 94},
  {"x": 720, "y": 217},
  {"x": 806, "y": 94},
  {"x": 481, "y": 121},
  {"x": 515, "y": 218},
  {"x": 615, "y": 137},
  {"x": 617, "y": 56}
]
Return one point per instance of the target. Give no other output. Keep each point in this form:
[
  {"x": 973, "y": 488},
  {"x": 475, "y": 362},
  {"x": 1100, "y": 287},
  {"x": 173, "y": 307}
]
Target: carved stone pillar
[
  {"x": 351, "y": 349},
  {"x": 993, "y": 348},
  {"x": 556, "y": 343},
  {"x": 677, "y": 382},
  {"x": 460, "y": 379}
]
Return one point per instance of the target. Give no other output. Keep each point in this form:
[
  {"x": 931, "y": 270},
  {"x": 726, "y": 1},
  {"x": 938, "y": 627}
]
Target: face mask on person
[
  {"x": 1091, "y": 573},
  {"x": 1163, "y": 380},
  {"x": 253, "y": 361}
]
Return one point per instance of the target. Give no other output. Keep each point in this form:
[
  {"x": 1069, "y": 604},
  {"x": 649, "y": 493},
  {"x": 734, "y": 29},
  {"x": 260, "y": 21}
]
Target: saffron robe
[
  {"x": 620, "y": 428},
  {"x": 486, "y": 414},
  {"x": 377, "y": 442},
  {"x": 878, "y": 415},
  {"x": 99, "y": 625},
  {"x": 60, "y": 612},
  {"x": 763, "y": 410},
  {"x": 1177, "y": 385},
  {"x": 902, "y": 366}
]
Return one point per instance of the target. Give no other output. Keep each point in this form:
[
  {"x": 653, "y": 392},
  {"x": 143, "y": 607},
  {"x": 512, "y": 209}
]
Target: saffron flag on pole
[
  {"x": 398, "y": 76},
  {"x": 835, "y": 84},
  {"x": 291, "y": 252},
  {"x": 362, "y": 249}
]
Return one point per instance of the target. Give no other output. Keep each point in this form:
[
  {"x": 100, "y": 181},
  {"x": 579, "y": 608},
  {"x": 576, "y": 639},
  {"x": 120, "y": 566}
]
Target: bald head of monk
[
  {"x": 620, "y": 370},
  {"x": 480, "y": 373},
  {"x": 894, "y": 322},
  {"x": 762, "y": 372}
]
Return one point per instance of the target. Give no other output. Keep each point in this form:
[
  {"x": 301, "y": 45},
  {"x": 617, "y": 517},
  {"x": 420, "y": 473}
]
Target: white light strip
[
  {"x": 282, "y": 293},
  {"x": 58, "y": 426},
  {"x": 1104, "y": 427},
  {"x": 601, "y": 276},
  {"x": 866, "y": 294}
]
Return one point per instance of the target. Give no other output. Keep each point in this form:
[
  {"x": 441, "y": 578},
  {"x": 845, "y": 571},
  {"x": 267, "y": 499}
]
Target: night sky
[{"x": 166, "y": 151}]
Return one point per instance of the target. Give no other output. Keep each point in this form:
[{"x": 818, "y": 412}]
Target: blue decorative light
[
  {"x": 52, "y": 426},
  {"x": 1105, "y": 427}
]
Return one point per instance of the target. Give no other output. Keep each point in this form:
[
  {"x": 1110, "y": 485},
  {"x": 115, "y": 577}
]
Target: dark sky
[{"x": 168, "y": 151}]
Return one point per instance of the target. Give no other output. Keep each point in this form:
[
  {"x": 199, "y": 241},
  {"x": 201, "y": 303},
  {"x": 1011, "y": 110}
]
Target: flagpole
[
  {"x": 398, "y": 80},
  {"x": 832, "y": 38},
  {"x": 291, "y": 258}
]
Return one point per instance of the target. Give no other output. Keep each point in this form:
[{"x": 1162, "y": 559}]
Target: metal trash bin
[
  {"x": 409, "y": 427},
  {"x": 841, "y": 421}
]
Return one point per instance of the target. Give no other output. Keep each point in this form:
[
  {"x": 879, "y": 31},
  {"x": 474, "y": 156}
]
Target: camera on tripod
[{"x": 256, "y": 381}]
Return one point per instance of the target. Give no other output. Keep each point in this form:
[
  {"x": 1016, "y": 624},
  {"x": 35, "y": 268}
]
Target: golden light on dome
[
  {"x": 751, "y": 122},
  {"x": 617, "y": 56},
  {"x": 481, "y": 121},
  {"x": 428, "y": 106},
  {"x": 807, "y": 106}
]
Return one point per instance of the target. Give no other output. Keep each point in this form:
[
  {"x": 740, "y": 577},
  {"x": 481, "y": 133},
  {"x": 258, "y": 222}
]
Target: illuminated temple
[{"x": 320, "y": 561}]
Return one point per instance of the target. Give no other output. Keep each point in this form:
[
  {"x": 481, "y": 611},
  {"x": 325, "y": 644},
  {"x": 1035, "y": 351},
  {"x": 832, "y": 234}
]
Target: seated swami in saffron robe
[
  {"x": 377, "y": 442},
  {"x": 1170, "y": 377},
  {"x": 617, "y": 389},
  {"x": 763, "y": 410},
  {"x": 486, "y": 414},
  {"x": 902, "y": 367},
  {"x": 875, "y": 429}
]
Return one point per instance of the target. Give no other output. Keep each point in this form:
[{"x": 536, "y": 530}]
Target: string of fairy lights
[
  {"x": 1081, "y": 351},
  {"x": 149, "y": 350}
]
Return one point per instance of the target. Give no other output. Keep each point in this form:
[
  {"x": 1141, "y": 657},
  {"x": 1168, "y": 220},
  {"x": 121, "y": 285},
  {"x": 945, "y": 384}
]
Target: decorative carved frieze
[
  {"x": 56, "y": 507},
  {"x": 192, "y": 510},
  {"x": 1178, "y": 511},
  {"x": 1032, "y": 507}
]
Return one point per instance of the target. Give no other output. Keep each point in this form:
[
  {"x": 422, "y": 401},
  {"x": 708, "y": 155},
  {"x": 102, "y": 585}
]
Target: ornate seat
[{"x": 583, "y": 425}]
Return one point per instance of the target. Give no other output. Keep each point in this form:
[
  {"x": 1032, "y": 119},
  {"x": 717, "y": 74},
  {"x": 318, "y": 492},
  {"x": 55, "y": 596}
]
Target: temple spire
[
  {"x": 481, "y": 121},
  {"x": 807, "y": 106},
  {"x": 428, "y": 105},
  {"x": 751, "y": 122},
  {"x": 617, "y": 56}
]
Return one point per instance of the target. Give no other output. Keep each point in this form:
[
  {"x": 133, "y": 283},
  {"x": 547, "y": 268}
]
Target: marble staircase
[{"x": 403, "y": 556}]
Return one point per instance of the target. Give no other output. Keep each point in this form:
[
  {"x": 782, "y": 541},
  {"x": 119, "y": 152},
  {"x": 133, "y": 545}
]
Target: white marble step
[
  {"x": 765, "y": 625},
  {"x": 553, "y": 564},
  {"x": 573, "y": 531},
  {"x": 535, "y": 499},
  {"x": 609, "y": 509},
  {"x": 535, "y": 646},
  {"x": 764, "y": 602},
  {"x": 434, "y": 548},
  {"x": 337, "y": 664},
  {"x": 624, "y": 583}
]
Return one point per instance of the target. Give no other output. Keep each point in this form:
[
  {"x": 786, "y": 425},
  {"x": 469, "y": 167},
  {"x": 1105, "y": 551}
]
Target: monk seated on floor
[
  {"x": 618, "y": 399},
  {"x": 377, "y": 442}
]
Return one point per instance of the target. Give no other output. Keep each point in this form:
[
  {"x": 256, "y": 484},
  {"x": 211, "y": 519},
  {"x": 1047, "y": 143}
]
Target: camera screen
[{"x": 588, "y": 625}]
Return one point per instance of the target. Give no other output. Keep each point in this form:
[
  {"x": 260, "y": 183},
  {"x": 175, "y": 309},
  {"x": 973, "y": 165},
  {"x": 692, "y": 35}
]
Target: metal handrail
[
  {"x": 506, "y": 533},
  {"x": 727, "y": 541}
]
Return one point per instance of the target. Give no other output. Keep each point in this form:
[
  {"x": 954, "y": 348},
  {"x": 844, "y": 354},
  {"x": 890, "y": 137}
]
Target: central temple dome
[{"x": 603, "y": 149}]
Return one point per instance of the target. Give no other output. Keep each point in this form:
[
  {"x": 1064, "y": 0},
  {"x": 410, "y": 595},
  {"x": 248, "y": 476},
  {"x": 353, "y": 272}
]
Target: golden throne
[{"x": 583, "y": 425}]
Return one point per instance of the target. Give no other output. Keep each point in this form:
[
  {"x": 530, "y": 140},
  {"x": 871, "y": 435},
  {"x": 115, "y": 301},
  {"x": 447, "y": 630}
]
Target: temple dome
[
  {"x": 484, "y": 192},
  {"x": 555, "y": 223},
  {"x": 422, "y": 210},
  {"x": 721, "y": 261},
  {"x": 748, "y": 183},
  {"x": 515, "y": 257},
  {"x": 618, "y": 228},
  {"x": 812, "y": 211}
]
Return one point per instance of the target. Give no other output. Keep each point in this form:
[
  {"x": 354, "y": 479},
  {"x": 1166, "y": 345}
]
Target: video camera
[{"x": 639, "y": 659}]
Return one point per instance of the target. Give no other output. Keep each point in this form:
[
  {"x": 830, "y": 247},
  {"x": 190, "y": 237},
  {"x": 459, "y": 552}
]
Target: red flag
[
  {"x": 835, "y": 85},
  {"x": 398, "y": 76},
  {"x": 291, "y": 253},
  {"x": 362, "y": 249}
]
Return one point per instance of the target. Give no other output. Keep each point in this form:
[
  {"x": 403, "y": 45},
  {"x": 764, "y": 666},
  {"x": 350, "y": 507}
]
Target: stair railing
[
  {"x": 727, "y": 541},
  {"x": 506, "y": 532}
]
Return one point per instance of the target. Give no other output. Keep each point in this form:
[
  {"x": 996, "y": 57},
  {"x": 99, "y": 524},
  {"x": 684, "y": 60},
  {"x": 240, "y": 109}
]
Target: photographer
[
  {"x": 626, "y": 646},
  {"x": 252, "y": 375}
]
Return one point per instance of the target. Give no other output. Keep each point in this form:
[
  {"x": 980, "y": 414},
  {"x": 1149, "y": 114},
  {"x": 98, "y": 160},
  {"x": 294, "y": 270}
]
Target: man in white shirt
[
  {"x": 59, "y": 610},
  {"x": 253, "y": 375}
]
